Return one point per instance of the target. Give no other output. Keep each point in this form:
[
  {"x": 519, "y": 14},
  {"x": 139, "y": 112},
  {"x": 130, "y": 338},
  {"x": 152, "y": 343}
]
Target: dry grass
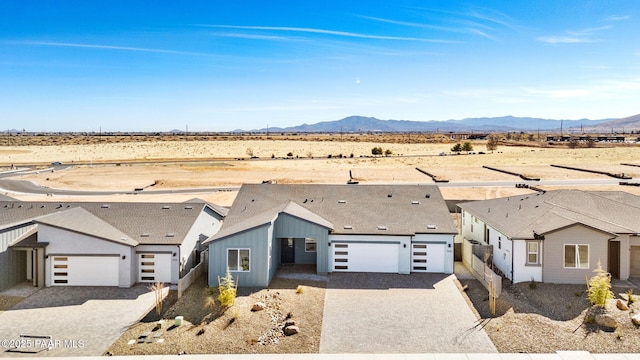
[
  {"x": 237, "y": 329},
  {"x": 550, "y": 318}
]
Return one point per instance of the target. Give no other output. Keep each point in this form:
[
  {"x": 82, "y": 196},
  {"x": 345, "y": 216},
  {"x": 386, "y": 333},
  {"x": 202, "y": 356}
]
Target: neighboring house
[
  {"x": 355, "y": 228},
  {"x": 102, "y": 244},
  {"x": 558, "y": 236}
]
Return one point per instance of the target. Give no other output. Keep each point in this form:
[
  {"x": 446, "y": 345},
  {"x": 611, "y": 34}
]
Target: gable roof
[
  {"x": 81, "y": 221},
  {"x": 146, "y": 223},
  {"x": 520, "y": 217},
  {"x": 268, "y": 217},
  {"x": 345, "y": 209}
]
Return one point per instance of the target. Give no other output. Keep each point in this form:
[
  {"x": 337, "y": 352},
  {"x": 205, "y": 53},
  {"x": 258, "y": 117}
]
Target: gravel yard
[
  {"x": 551, "y": 317},
  {"x": 237, "y": 329}
]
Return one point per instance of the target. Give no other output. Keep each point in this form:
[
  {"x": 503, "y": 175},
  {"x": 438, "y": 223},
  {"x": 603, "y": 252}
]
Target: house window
[
  {"x": 310, "y": 245},
  {"x": 576, "y": 256},
  {"x": 499, "y": 242},
  {"x": 533, "y": 253},
  {"x": 238, "y": 259}
]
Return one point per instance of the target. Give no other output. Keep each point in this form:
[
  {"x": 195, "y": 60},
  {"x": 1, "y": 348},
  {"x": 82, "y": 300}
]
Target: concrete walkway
[
  {"x": 82, "y": 321},
  {"x": 399, "y": 314}
]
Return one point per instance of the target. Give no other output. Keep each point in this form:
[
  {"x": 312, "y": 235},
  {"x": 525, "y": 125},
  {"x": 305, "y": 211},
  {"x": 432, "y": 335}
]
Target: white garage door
[
  {"x": 154, "y": 267},
  {"x": 427, "y": 257},
  {"x": 84, "y": 270},
  {"x": 635, "y": 261},
  {"x": 365, "y": 257}
]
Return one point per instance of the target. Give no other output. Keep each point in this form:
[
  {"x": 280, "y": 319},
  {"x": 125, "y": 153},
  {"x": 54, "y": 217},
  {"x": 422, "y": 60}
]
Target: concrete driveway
[
  {"x": 82, "y": 321},
  {"x": 391, "y": 313}
]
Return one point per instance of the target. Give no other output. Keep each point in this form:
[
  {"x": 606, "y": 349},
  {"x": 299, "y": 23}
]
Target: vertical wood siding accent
[
  {"x": 553, "y": 259},
  {"x": 13, "y": 264},
  {"x": 287, "y": 226},
  {"x": 257, "y": 241}
]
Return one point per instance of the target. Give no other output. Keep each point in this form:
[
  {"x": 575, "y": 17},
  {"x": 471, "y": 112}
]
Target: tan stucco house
[{"x": 558, "y": 236}]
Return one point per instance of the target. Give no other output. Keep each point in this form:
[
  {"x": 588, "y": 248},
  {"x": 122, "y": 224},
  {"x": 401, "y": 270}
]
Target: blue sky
[{"x": 158, "y": 65}]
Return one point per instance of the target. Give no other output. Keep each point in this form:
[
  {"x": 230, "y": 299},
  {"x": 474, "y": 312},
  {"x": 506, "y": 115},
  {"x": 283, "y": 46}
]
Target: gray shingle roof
[
  {"x": 154, "y": 220},
  {"x": 520, "y": 217},
  {"x": 81, "y": 221},
  {"x": 346, "y": 209}
]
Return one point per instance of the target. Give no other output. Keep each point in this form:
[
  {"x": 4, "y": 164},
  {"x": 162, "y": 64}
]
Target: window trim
[
  {"x": 240, "y": 267},
  {"x": 537, "y": 252},
  {"x": 577, "y": 256},
  {"x": 310, "y": 241}
]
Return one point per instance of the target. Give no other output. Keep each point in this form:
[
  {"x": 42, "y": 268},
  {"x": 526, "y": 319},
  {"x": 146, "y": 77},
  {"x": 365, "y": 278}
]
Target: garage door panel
[
  {"x": 427, "y": 257},
  {"x": 635, "y": 261},
  {"x": 84, "y": 271},
  {"x": 365, "y": 257},
  {"x": 154, "y": 267}
]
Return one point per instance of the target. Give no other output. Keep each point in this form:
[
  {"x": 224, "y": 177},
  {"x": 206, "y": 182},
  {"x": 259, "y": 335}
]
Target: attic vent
[
  {"x": 431, "y": 227},
  {"x": 390, "y": 195},
  {"x": 19, "y": 206},
  {"x": 171, "y": 234},
  {"x": 166, "y": 207},
  {"x": 42, "y": 206},
  {"x": 382, "y": 227},
  {"x": 415, "y": 202},
  {"x": 145, "y": 235},
  {"x": 427, "y": 196},
  {"x": 342, "y": 201},
  {"x": 105, "y": 206},
  {"x": 348, "y": 227},
  {"x": 188, "y": 207}
]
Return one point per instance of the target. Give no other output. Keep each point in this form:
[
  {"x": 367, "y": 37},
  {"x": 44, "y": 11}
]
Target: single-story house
[
  {"x": 558, "y": 236},
  {"x": 102, "y": 244},
  {"x": 353, "y": 228}
]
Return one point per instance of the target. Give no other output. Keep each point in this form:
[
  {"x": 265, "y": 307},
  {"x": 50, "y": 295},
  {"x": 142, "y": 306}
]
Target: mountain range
[{"x": 485, "y": 124}]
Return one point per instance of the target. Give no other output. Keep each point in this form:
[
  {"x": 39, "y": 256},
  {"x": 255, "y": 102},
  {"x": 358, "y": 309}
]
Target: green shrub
[
  {"x": 600, "y": 287},
  {"x": 227, "y": 289},
  {"x": 533, "y": 284}
]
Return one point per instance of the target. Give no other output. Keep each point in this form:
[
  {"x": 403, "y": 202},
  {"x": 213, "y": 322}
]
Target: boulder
[
  {"x": 258, "y": 306},
  {"x": 289, "y": 322},
  {"x": 636, "y": 320},
  {"x": 606, "y": 320},
  {"x": 291, "y": 330},
  {"x": 621, "y": 305}
]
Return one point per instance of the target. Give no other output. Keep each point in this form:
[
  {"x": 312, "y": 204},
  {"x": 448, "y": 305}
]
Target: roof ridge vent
[
  {"x": 382, "y": 227},
  {"x": 348, "y": 227},
  {"x": 188, "y": 207},
  {"x": 342, "y": 201},
  {"x": 105, "y": 206},
  {"x": 166, "y": 207},
  {"x": 146, "y": 234},
  {"x": 171, "y": 234},
  {"x": 431, "y": 226},
  {"x": 415, "y": 202}
]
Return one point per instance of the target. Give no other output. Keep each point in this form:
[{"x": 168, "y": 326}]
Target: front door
[
  {"x": 614, "y": 259},
  {"x": 287, "y": 252}
]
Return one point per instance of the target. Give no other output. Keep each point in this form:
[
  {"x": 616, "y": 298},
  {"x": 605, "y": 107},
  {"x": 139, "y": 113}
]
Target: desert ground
[{"x": 192, "y": 163}]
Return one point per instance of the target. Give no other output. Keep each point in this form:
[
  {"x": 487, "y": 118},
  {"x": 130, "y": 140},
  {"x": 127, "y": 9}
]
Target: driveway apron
[
  {"x": 81, "y": 321},
  {"x": 391, "y": 313}
]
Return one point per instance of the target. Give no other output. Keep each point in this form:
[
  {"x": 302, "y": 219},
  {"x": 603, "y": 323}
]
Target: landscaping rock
[
  {"x": 636, "y": 320},
  {"x": 606, "y": 320},
  {"x": 259, "y": 306},
  {"x": 621, "y": 305},
  {"x": 289, "y": 322},
  {"x": 291, "y": 330}
]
